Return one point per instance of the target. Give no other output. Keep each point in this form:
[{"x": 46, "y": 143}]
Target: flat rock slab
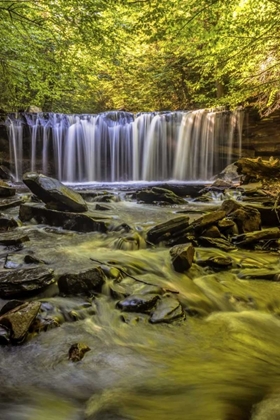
[
  {"x": 167, "y": 310},
  {"x": 84, "y": 282},
  {"x": 169, "y": 230},
  {"x": 157, "y": 195},
  {"x": 207, "y": 220},
  {"x": 80, "y": 222},
  {"x": 52, "y": 192},
  {"x": 18, "y": 320},
  {"x": 13, "y": 238},
  {"x": 24, "y": 281},
  {"x": 10, "y": 202}
]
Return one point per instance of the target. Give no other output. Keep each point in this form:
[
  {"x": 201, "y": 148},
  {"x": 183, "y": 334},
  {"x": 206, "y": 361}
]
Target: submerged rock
[
  {"x": 182, "y": 257},
  {"x": 24, "y": 281},
  {"x": 86, "y": 282},
  {"x": 167, "y": 310},
  {"x": 52, "y": 192},
  {"x": 138, "y": 303},
  {"x": 77, "y": 351},
  {"x": 7, "y": 223},
  {"x": 18, "y": 319}
]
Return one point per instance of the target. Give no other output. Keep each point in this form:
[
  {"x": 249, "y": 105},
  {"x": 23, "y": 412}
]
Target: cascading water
[{"x": 118, "y": 147}]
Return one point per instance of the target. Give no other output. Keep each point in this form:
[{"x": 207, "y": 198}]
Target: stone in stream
[
  {"x": 12, "y": 238},
  {"x": 80, "y": 222},
  {"x": 127, "y": 286},
  {"x": 252, "y": 238},
  {"x": 84, "y": 282},
  {"x": 182, "y": 257},
  {"x": 138, "y": 303},
  {"x": 216, "y": 262},
  {"x": 212, "y": 232},
  {"x": 171, "y": 230},
  {"x": 206, "y": 221},
  {"x": 159, "y": 195},
  {"x": 54, "y": 194},
  {"x": 21, "y": 282},
  {"x": 216, "y": 243},
  {"x": 167, "y": 309},
  {"x": 77, "y": 351},
  {"x": 7, "y": 223},
  {"x": 18, "y": 319},
  {"x": 247, "y": 218},
  {"x": 10, "y": 202},
  {"x": 5, "y": 173},
  {"x": 6, "y": 190}
]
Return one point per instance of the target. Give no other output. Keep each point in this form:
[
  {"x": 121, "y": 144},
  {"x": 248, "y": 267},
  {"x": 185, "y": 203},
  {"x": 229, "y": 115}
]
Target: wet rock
[
  {"x": 14, "y": 261},
  {"x": 24, "y": 281},
  {"x": 247, "y": 219},
  {"x": 167, "y": 310},
  {"x": 77, "y": 351},
  {"x": 12, "y": 238},
  {"x": 52, "y": 192},
  {"x": 254, "y": 237},
  {"x": 18, "y": 320},
  {"x": 7, "y": 223},
  {"x": 182, "y": 257},
  {"x": 212, "y": 232},
  {"x": 80, "y": 222},
  {"x": 270, "y": 215},
  {"x": 30, "y": 259},
  {"x": 156, "y": 194},
  {"x": 41, "y": 324},
  {"x": 84, "y": 282},
  {"x": 206, "y": 221},
  {"x": 216, "y": 243},
  {"x": 6, "y": 190},
  {"x": 260, "y": 274},
  {"x": 171, "y": 230},
  {"x": 10, "y": 202},
  {"x": 138, "y": 303},
  {"x": 226, "y": 225},
  {"x": 216, "y": 262},
  {"x": 102, "y": 207},
  {"x": 128, "y": 286}
]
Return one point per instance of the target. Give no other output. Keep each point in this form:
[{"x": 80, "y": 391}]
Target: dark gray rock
[
  {"x": 10, "y": 202},
  {"x": 182, "y": 257},
  {"x": 52, "y": 192},
  {"x": 6, "y": 190},
  {"x": 138, "y": 303},
  {"x": 216, "y": 243},
  {"x": 12, "y": 238},
  {"x": 18, "y": 320},
  {"x": 80, "y": 222},
  {"x": 84, "y": 282},
  {"x": 159, "y": 195},
  {"x": 5, "y": 173},
  {"x": 7, "y": 223},
  {"x": 24, "y": 281},
  {"x": 174, "y": 229},
  {"x": 167, "y": 310},
  {"x": 206, "y": 221}
]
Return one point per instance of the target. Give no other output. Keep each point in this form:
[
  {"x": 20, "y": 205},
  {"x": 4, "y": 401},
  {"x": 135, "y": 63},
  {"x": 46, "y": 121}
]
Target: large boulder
[
  {"x": 53, "y": 193},
  {"x": 182, "y": 257}
]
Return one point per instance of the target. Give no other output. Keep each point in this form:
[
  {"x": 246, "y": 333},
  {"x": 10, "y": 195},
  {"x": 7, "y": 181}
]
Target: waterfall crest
[{"x": 117, "y": 146}]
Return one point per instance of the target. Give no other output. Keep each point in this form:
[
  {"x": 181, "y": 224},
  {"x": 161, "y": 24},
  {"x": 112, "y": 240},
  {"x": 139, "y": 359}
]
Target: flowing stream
[{"x": 221, "y": 362}]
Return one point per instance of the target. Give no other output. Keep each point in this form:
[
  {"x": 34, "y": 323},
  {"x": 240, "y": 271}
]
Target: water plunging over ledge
[{"x": 118, "y": 146}]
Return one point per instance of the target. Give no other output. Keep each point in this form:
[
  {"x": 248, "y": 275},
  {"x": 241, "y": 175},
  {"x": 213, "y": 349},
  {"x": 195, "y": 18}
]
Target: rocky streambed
[{"x": 139, "y": 301}]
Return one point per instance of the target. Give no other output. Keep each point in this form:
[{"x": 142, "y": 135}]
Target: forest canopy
[{"x": 139, "y": 55}]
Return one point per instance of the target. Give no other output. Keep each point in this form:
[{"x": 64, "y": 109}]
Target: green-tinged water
[{"x": 222, "y": 364}]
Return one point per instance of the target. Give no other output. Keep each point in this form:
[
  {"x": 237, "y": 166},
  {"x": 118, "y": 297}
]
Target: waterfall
[{"x": 117, "y": 146}]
